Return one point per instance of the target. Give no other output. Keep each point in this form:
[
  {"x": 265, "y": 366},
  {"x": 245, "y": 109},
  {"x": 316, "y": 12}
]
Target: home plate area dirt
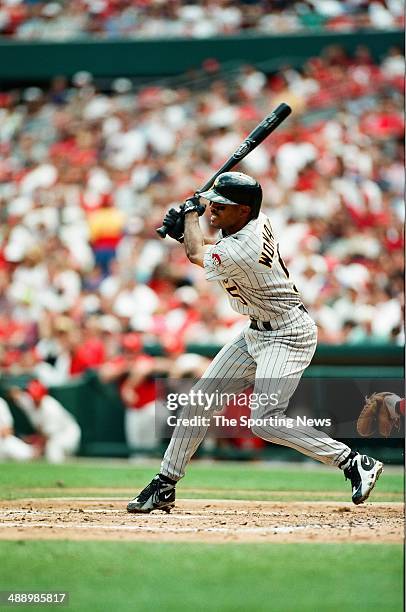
[{"x": 202, "y": 520}]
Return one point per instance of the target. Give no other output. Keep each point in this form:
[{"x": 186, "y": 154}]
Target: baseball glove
[{"x": 377, "y": 417}]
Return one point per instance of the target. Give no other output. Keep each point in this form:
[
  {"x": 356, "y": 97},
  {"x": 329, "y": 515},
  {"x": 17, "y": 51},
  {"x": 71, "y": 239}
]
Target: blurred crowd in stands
[
  {"x": 107, "y": 19},
  {"x": 86, "y": 176}
]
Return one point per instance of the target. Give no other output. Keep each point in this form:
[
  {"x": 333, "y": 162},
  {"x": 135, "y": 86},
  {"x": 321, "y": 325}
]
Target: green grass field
[
  {"x": 259, "y": 481},
  {"x": 182, "y": 577},
  {"x": 142, "y": 576}
]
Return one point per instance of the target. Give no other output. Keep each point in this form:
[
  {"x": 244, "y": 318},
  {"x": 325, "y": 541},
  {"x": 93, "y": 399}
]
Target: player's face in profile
[{"x": 227, "y": 217}]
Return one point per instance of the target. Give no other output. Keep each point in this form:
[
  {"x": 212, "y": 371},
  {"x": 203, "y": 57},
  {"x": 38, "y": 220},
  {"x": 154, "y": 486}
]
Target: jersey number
[
  {"x": 234, "y": 292},
  {"x": 284, "y": 268}
]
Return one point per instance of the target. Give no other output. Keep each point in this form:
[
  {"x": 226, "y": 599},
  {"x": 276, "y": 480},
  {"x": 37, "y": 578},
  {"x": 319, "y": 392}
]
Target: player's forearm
[
  {"x": 194, "y": 240},
  {"x": 5, "y": 432}
]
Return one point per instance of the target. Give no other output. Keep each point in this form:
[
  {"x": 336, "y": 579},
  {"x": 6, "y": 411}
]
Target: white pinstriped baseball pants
[{"x": 274, "y": 361}]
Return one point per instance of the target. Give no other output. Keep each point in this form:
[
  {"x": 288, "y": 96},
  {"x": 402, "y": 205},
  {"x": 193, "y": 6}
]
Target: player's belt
[{"x": 269, "y": 325}]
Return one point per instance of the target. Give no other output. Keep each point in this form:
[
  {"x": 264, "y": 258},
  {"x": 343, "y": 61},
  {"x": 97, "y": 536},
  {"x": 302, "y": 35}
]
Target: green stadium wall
[{"x": 156, "y": 58}]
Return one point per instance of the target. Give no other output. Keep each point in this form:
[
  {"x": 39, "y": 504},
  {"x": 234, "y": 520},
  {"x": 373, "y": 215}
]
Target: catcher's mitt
[{"x": 377, "y": 417}]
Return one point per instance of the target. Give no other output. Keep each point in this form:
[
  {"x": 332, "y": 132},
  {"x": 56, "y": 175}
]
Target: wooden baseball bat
[{"x": 258, "y": 135}]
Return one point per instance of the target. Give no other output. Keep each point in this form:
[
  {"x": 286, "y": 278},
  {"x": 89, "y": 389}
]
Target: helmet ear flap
[{"x": 255, "y": 208}]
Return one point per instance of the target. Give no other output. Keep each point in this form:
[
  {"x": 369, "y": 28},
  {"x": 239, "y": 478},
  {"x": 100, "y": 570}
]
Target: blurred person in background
[
  {"x": 50, "y": 419},
  {"x": 106, "y": 227},
  {"x": 135, "y": 372},
  {"x": 11, "y": 447}
]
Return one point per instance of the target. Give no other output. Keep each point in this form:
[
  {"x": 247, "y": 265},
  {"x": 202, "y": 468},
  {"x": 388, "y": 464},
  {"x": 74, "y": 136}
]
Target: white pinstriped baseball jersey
[{"x": 250, "y": 269}]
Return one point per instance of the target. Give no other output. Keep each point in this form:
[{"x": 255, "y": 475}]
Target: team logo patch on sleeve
[{"x": 216, "y": 259}]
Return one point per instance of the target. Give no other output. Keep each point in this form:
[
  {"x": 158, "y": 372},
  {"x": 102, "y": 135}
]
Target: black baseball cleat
[
  {"x": 158, "y": 495},
  {"x": 363, "y": 472}
]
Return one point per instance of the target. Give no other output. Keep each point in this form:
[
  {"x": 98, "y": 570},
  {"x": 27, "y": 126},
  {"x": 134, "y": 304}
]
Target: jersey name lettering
[{"x": 268, "y": 246}]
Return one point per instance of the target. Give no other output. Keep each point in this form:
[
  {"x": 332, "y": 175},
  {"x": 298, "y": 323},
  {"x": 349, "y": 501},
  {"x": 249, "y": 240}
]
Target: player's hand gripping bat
[{"x": 258, "y": 135}]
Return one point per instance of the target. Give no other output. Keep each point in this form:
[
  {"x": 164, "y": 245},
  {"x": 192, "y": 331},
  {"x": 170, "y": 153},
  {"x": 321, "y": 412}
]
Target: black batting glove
[
  {"x": 174, "y": 222},
  {"x": 172, "y": 216},
  {"x": 193, "y": 205}
]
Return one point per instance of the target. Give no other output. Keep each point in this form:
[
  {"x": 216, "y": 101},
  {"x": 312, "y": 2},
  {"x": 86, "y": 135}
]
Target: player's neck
[{"x": 233, "y": 229}]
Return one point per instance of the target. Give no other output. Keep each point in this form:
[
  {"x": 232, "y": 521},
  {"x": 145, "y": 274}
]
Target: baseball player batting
[{"x": 272, "y": 351}]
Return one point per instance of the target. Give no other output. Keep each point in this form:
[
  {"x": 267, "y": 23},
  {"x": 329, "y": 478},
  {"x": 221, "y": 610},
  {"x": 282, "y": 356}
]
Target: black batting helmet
[{"x": 236, "y": 188}]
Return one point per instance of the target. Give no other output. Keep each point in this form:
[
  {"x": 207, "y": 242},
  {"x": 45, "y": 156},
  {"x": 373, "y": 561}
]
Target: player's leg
[
  {"x": 15, "y": 449},
  {"x": 231, "y": 371},
  {"x": 130, "y": 428},
  {"x": 62, "y": 445},
  {"x": 139, "y": 426},
  {"x": 280, "y": 365},
  {"x": 279, "y": 368},
  {"x": 54, "y": 451}
]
